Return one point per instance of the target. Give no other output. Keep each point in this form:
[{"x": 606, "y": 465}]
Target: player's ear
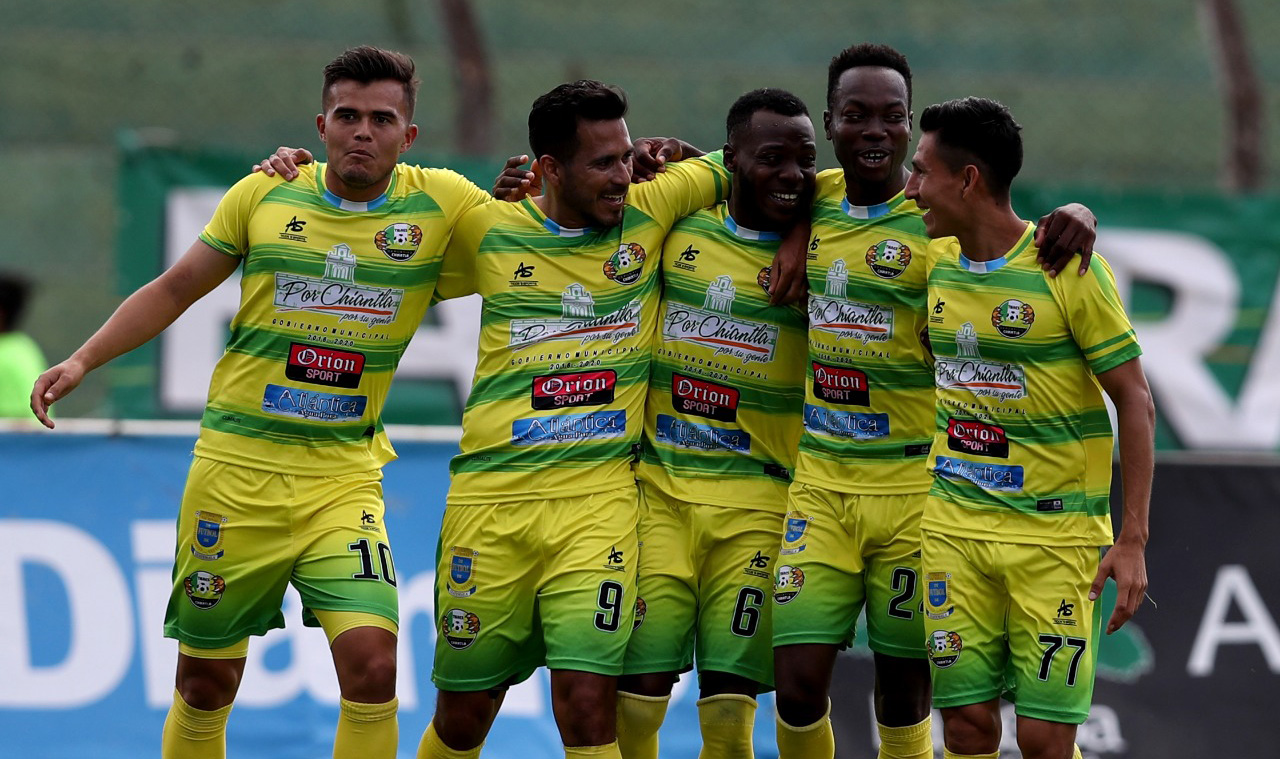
[
  {"x": 730, "y": 157},
  {"x": 826, "y": 123},
  {"x": 552, "y": 169},
  {"x": 410, "y": 135},
  {"x": 320, "y": 125}
]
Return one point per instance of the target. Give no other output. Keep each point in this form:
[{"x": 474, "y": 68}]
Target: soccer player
[
  {"x": 1019, "y": 508},
  {"x": 539, "y": 549},
  {"x": 852, "y": 530},
  {"x": 721, "y": 427},
  {"x": 338, "y": 270}
]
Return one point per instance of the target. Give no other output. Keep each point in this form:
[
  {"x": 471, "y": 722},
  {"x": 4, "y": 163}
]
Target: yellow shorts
[
  {"x": 245, "y": 534},
  {"x": 1011, "y": 619},
  {"x": 522, "y": 583},
  {"x": 841, "y": 552},
  {"x": 705, "y": 579}
]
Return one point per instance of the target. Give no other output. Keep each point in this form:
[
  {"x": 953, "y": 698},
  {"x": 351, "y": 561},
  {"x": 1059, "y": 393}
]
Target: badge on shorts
[
  {"x": 204, "y": 589},
  {"x": 789, "y": 584},
  {"x": 459, "y": 628},
  {"x": 208, "y": 537},
  {"x": 642, "y": 608},
  {"x": 938, "y": 594},
  {"x": 795, "y": 533},
  {"x": 944, "y": 648},
  {"x": 462, "y": 572}
]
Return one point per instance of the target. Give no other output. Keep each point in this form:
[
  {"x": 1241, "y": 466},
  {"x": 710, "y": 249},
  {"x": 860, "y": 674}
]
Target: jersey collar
[
  {"x": 995, "y": 264},
  {"x": 869, "y": 212},
  {"x": 749, "y": 234},
  {"x": 354, "y": 206},
  {"x": 553, "y": 227}
]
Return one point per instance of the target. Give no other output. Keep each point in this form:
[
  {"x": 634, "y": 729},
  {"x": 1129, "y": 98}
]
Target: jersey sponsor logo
[
  {"x": 1006, "y": 382},
  {"x": 1066, "y": 612},
  {"x": 316, "y": 407},
  {"x": 833, "y": 312},
  {"x": 938, "y": 595},
  {"x": 688, "y": 259},
  {"x": 574, "y": 389},
  {"x": 978, "y": 438},
  {"x": 995, "y": 477},
  {"x": 369, "y": 522},
  {"x": 840, "y": 384},
  {"x": 935, "y": 316},
  {"x": 715, "y": 327},
  {"x": 788, "y": 585},
  {"x": 888, "y": 258},
  {"x": 579, "y": 322},
  {"x": 523, "y": 276},
  {"x": 204, "y": 589},
  {"x": 293, "y": 230},
  {"x": 462, "y": 572},
  {"x": 208, "y": 536},
  {"x": 701, "y": 437},
  {"x": 626, "y": 264},
  {"x": 337, "y": 293},
  {"x": 845, "y": 424},
  {"x": 614, "y": 561},
  {"x": 324, "y": 366},
  {"x": 944, "y": 648},
  {"x": 459, "y": 628},
  {"x": 706, "y": 399},
  {"x": 399, "y": 242},
  {"x": 795, "y": 533},
  {"x": 758, "y": 566},
  {"x": 1013, "y": 318},
  {"x": 569, "y": 428}
]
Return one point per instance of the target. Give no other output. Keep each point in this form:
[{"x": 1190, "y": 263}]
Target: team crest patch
[
  {"x": 207, "y": 542},
  {"x": 399, "y": 241},
  {"x": 764, "y": 279},
  {"x": 888, "y": 258},
  {"x": 789, "y": 584},
  {"x": 944, "y": 648},
  {"x": 462, "y": 572},
  {"x": 459, "y": 628},
  {"x": 1013, "y": 318},
  {"x": 642, "y": 609},
  {"x": 938, "y": 595},
  {"x": 626, "y": 264},
  {"x": 795, "y": 534},
  {"x": 204, "y": 589}
]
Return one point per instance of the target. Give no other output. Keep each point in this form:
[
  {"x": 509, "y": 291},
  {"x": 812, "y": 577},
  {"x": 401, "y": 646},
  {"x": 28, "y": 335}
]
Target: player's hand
[
  {"x": 1126, "y": 563},
  {"x": 514, "y": 183},
  {"x": 651, "y": 156},
  {"x": 788, "y": 280},
  {"x": 285, "y": 162},
  {"x": 1063, "y": 233},
  {"x": 53, "y": 385}
]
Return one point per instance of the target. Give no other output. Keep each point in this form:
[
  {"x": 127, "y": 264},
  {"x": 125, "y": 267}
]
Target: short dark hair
[
  {"x": 553, "y": 119},
  {"x": 977, "y": 131},
  {"x": 13, "y": 300},
  {"x": 866, "y": 54},
  {"x": 367, "y": 64},
  {"x": 769, "y": 99}
]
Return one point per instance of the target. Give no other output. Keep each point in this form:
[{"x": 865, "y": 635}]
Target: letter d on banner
[{"x": 101, "y": 616}]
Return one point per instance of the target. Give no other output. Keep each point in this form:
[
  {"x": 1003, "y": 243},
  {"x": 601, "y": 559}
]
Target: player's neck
[
  {"x": 993, "y": 233},
  {"x": 748, "y": 215},
  {"x": 864, "y": 193},
  {"x": 334, "y": 184},
  {"x": 559, "y": 213}
]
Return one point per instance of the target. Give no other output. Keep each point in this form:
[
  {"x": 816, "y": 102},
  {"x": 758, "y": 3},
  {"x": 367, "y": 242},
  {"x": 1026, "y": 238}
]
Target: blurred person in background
[{"x": 21, "y": 360}]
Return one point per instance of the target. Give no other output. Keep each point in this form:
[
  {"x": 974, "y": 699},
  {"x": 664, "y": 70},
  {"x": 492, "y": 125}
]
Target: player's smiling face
[
  {"x": 591, "y": 187},
  {"x": 773, "y": 163},
  {"x": 937, "y": 189},
  {"x": 365, "y": 128},
  {"x": 869, "y": 126}
]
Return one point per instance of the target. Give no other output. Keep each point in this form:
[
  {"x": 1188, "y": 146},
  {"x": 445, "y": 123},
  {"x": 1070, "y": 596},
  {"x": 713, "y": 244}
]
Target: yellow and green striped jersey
[
  {"x": 868, "y": 406},
  {"x": 331, "y": 293},
  {"x": 556, "y": 408},
  {"x": 723, "y": 417},
  {"x": 1022, "y": 451}
]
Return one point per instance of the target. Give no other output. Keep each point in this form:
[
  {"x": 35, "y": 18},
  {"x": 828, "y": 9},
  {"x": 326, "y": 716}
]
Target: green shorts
[
  {"x": 705, "y": 580},
  {"x": 841, "y": 552},
  {"x": 1011, "y": 619},
  {"x": 245, "y": 534},
  {"x": 523, "y": 583}
]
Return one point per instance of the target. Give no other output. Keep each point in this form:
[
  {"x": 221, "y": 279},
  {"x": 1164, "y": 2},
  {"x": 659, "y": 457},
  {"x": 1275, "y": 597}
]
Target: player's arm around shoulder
[
  {"x": 682, "y": 188},
  {"x": 458, "y": 270},
  {"x": 453, "y": 192}
]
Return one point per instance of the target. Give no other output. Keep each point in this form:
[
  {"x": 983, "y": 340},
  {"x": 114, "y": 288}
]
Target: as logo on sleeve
[{"x": 970, "y": 436}]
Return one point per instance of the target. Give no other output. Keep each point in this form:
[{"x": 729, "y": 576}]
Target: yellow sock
[
  {"x": 726, "y": 721},
  {"x": 814, "y": 741},
  {"x": 639, "y": 718},
  {"x": 367, "y": 731},
  {"x": 609, "y": 751},
  {"x": 1075, "y": 751},
  {"x": 431, "y": 747},
  {"x": 191, "y": 733},
  {"x": 910, "y": 742},
  {"x": 949, "y": 755}
]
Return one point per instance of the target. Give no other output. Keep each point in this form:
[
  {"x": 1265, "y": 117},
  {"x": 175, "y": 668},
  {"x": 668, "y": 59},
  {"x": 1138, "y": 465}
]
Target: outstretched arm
[
  {"x": 141, "y": 317},
  {"x": 1125, "y": 561}
]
